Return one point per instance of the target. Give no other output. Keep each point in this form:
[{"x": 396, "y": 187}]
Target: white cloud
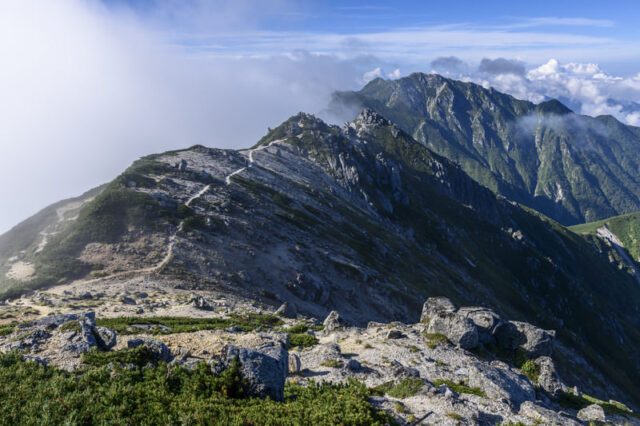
[
  {"x": 395, "y": 74},
  {"x": 372, "y": 75}
]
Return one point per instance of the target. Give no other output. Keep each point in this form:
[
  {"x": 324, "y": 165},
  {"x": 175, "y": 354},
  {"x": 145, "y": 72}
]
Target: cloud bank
[{"x": 86, "y": 90}]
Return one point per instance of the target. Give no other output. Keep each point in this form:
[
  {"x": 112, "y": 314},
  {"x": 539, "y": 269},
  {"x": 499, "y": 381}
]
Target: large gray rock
[
  {"x": 105, "y": 337},
  {"x": 592, "y": 413},
  {"x": 484, "y": 319},
  {"x": 434, "y": 305},
  {"x": 264, "y": 369},
  {"x": 536, "y": 341},
  {"x": 500, "y": 382},
  {"x": 332, "y": 321},
  {"x": 460, "y": 331},
  {"x": 159, "y": 350},
  {"x": 128, "y": 300},
  {"x": 544, "y": 416},
  {"x": 548, "y": 378}
]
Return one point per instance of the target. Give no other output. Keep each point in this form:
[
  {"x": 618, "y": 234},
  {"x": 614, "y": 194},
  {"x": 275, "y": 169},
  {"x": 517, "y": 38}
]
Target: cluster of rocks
[{"x": 453, "y": 379}]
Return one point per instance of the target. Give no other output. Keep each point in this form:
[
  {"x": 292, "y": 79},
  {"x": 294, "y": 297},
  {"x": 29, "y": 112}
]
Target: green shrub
[
  {"x": 403, "y": 389},
  {"x": 37, "y": 395},
  {"x": 139, "y": 356},
  {"x": 459, "y": 387},
  {"x": 531, "y": 370},
  {"x": 454, "y": 416},
  {"x": 569, "y": 400},
  {"x": 298, "y": 328},
  {"x": 246, "y": 322},
  {"x": 302, "y": 339}
]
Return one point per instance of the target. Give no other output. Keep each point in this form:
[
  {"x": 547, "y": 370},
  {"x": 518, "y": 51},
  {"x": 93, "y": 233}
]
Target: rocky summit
[{"x": 349, "y": 264}]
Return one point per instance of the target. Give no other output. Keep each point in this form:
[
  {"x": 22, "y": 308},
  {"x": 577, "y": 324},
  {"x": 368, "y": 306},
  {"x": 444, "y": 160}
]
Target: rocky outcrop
[
  {"x": 535, "y": 341},
  {"x": 201, "y": 303},
  {"x": 548, "y": 378},
  {"x": 498, "y": 381}
]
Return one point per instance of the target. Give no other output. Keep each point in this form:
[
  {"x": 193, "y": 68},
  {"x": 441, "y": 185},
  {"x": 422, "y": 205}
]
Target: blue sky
[
  {"x": 409, "y": 33},
  {"x": 88, "y": 86}
]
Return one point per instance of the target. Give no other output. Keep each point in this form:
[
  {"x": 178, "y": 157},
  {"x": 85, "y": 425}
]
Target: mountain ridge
[{"x": 572, "y": 168}]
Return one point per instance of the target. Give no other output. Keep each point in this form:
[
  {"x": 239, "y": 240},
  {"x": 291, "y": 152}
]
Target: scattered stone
[
  {"x": 159, "y": 350},
  {"x": 105, "y": 337},
  {"x": 460, "y": 330},
  {"x": 294, "y": 364},
  {"x": 592, "y": 413},
  {"x": 434, "y": 305},
  {"x": 264, "y": 369},
  {"x": 395, "y": 334},
  {"x": 142, "y": 295},
  {"x": 332, "y": 322},
  {"x": 199, "y": 302},
  {"x": 128, "y": 300},
  {"x": 287, "y": 310},
  {"x": 447, "y": 392},
  {"x": 85, "y": 295},
  {"x": 139, "y": 311}
]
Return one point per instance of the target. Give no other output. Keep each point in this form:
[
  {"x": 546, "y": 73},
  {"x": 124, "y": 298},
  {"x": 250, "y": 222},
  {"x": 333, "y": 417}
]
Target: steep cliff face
[
  {"x": 362, "y": 219},
  {"x": 572, "y": 168}
]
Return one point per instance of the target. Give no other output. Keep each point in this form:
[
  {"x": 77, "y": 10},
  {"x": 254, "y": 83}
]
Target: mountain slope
[
  {"x": 572, "y": 168},
  {"x": 626, "y": 229},
  {"x": 363, "y": 220}
]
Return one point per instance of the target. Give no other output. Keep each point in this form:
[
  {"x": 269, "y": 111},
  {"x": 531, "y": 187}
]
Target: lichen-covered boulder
[
  {"x": 434, "y": 305},
  {"x": 460, "y": 331},
  {"x": 264, "y": 369}
]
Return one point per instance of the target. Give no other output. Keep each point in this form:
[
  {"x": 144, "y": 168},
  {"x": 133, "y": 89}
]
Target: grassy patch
[
  {"x": 332, "y": 363},
  {"x": 302, "y": 339},
  {"x": 435, "y": 339},
  {"x": 32, "y": 394},
  {"x": 569, "y": 400},
  {"x": 246, "y": 322},
  {"x": 454, "y": 416},
  {"x": 6, "y": 329},
  {"x": 71, "y": 326},
  {"x": 403, "y": 389},
  {"x": 459, "y": 387}
]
